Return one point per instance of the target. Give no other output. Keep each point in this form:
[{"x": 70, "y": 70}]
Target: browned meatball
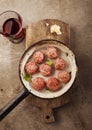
[
  {"x": 31, "y": 67},
  {"x": 60, "y": 63},
  {"x": 38, "y": 57},
  {"x": 52, "y": 52},
  {"x": 64, "y": 76},
  {"x": 53, "y": 84},
  {"x": 38, "y": 83},
  {"x": 45, "y": 70}
]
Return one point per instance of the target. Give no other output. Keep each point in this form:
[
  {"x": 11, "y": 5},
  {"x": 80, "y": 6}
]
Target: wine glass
[{"x": 11, "y": 26}]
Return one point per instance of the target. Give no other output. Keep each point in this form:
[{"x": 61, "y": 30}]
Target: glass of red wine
[{"x": 11, "y": 26}]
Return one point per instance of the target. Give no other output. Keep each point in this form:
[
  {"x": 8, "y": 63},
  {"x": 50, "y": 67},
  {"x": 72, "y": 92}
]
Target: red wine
[{"x": 11, "y": 27}]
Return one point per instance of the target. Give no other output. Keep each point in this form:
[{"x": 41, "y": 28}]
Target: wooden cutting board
[{"x": 40, "y": 31}]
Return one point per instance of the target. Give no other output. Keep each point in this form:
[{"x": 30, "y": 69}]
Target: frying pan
[{"x": 41, "y": 45}]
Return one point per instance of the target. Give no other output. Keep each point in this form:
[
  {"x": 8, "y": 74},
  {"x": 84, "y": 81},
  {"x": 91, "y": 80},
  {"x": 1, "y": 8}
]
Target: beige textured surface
[{"x": 74, "y": 116}]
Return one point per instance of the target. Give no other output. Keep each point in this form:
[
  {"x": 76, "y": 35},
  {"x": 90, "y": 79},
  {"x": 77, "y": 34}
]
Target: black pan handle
[{"x": 13, "y": 103}]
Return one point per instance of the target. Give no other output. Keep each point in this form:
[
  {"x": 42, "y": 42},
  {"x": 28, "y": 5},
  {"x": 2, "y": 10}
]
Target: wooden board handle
[{"x": 47, "y": 115}]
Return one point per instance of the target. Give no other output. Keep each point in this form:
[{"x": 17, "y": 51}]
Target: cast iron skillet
[{"x": 27, "y": 88}]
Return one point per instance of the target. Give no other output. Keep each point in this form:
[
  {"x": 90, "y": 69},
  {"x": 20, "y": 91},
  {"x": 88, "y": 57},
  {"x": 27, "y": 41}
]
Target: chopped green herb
[
  {"x": 49, "y": 89},
  {"x": 27, "y": 77},
  {"x": 49, "y": 62}
]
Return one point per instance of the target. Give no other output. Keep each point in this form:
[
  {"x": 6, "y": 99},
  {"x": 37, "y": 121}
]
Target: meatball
[
  {"x": 38, "y": 83},
  {"x": 53, "y": 84},
  {"x": 60, "y": 63},
  {"x": 52, "y": 52},
  {"x": 45, "y": 70},
  {"x": 38, "y": 57},
  {"x": 31, "y": 68},
  {"x": 64, "y": 76}
]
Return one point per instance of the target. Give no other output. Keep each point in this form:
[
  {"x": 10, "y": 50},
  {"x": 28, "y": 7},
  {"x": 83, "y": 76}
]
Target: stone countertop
[{"x": 73, "y": 116}]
